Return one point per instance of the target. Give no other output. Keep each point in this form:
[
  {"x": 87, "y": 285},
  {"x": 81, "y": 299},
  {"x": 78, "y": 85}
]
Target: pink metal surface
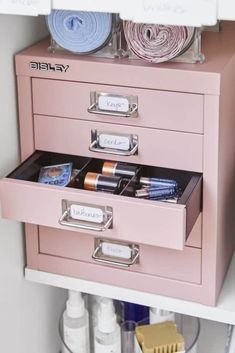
[
  {"x": 157, "y": 109},
  {"x": 182, "y": 265},
  {"x": 124, "y": 278},
  {"x": 140, "y": 221},
  {"x": 156, "y": 147},
  {"x": 203, "y": 79},
  {"x": 195, "y": 237},
  {"x": 215, "y": 80},
  {"x": 25, "y": 116}
]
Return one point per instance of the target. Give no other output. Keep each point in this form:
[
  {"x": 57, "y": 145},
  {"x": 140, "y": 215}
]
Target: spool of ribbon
[
  {"x": 80, "y": 32},
  {"x": 157, "y": 43}
]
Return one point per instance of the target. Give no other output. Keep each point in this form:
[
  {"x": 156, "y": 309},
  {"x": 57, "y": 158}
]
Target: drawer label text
[
  {"x": 87, "y": 214},
  {"x": 114, "y": 141},
  {"x": 116, "y": 250},
  {"x": 116, "y": 104},
  {"x": 25, "y": 7}
]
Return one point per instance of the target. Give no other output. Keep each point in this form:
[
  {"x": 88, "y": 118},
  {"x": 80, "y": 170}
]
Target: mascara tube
[
  {"x": 100, "y": 182},
  {"x": 119, "y": 169}
]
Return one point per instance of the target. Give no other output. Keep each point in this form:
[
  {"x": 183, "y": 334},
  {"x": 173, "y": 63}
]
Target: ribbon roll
[
  {"x": 157, "y": 43},
  {"x": 80, "y": 32}
]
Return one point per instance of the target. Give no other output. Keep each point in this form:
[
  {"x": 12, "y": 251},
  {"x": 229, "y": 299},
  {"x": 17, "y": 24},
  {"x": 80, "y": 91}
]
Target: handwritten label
[
  {"x": 174, "y": 12},
  {"x": 85, "y": 213},
  {"x": 114, "y": 141},
  {"x": 25, "y": 7},
  {"x": 116, "y": 250},
  {"x": 116, "y": 104}
]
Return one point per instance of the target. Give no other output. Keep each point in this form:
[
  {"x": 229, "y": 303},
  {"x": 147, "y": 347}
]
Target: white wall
[{"x": 28, "y": 312}]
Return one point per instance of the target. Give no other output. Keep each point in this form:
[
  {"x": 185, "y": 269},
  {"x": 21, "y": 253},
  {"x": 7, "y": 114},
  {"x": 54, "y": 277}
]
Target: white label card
[
  {"x": 114, "y": 141},
  {"x": 115, "y": 104},
  {"x": 25, "y": 7},
  {"x": 85, "y": 213},
  {"x": 116, "y": 250},
  {"x": 174, "y": 12}
]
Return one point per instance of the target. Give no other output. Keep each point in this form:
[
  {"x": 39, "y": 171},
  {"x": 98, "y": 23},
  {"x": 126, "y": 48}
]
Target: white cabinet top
[
  {"x": 223, "y": 312},
  {"x": 175, "y": 12}
]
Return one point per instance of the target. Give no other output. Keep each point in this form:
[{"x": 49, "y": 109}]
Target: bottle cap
[
  {"x": 75, "y": 305},
  {"x": 107, "y": 321}
]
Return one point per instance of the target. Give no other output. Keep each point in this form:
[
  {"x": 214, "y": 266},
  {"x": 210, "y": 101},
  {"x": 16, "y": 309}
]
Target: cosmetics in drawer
[
  {"x": 110, "y": 177},
  {"x": 89, "y": 174},
  {"x": 97, "y": 175}
]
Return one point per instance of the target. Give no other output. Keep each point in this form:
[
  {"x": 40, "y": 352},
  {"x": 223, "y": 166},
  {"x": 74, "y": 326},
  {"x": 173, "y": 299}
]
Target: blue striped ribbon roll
[{"x": 79, "y": 31}]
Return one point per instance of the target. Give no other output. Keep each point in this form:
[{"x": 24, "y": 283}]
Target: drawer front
[
  {"x": 181, "y": 265},
  {"x": 166, "y": 149},
  {"x": 120, "y": 217},
  {"x": 157, "y": 109}
]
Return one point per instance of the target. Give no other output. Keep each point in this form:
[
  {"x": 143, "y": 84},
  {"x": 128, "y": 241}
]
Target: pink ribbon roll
[{"x": 157, "y": 43}]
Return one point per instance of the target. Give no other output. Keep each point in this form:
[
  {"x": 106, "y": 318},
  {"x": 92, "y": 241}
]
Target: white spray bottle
[
  {"x": 76, "y": 324},
  {"x": 107, "y": 331}
]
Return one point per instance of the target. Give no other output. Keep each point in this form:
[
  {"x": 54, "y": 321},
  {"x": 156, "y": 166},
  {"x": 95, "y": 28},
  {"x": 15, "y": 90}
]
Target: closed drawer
[
  {"x": 122, "y": 216},
  {"x": 157, "y": 109},
  {"x": 181, "y": 265},
  {"x": 162, "y": 148}
]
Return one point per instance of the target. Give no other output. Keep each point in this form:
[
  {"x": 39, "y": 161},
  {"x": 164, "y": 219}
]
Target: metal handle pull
[
  {"x": 95, "y": 148},
  {"x": 103, "y": 258},
  {"x": 121, "y": 106},
  {"x": 94, "y": 109},
  {"x": 84, "y": 216}
]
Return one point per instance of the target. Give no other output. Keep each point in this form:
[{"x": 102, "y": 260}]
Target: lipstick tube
[{"x": 100, "y": 182}]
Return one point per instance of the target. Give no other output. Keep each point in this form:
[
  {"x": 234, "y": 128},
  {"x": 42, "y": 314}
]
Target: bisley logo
[{"x": 48, "y": 67}]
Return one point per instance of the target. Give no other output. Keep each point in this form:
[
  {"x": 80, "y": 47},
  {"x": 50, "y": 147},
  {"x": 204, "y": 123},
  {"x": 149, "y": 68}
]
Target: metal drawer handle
[
  {"x": 94, "y": 109},
  {"x": 99, "y": 257},
  {"x": 65, "y": 220},
  {"x": 86, "y": 216},
  {"x": 110, "y": 104},
  {"x": 94, "y": 147}
]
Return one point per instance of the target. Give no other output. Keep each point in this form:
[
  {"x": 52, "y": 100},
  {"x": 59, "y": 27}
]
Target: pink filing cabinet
[{"x": 175, "y": 121}]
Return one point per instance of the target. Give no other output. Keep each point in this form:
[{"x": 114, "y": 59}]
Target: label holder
[
  {"x": 113, "y": 143},
  {"x": 116, "y": 253},
  {"x": 86, "y": 216},
  {"x": 116, "y": 105}
]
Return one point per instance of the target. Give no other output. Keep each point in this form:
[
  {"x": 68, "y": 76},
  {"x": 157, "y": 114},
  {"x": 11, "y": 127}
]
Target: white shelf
[
  {"x": 224, "y": 311},
  {"x": 175, "y": 12}
]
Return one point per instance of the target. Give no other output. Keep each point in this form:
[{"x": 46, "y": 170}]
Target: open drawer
[{"x": 120, "y": 216}]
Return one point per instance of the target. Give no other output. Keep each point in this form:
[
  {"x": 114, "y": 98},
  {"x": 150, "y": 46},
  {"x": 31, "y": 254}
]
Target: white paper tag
[
  {"x": 25, "y": 7},
  {"x": 116, "y": 104},
  {"x": 175, "y": 12},
  {"x": 115, "y": 142},
  {"x": 85, "y": 213},
  {"x": 116, "y": 250}
]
